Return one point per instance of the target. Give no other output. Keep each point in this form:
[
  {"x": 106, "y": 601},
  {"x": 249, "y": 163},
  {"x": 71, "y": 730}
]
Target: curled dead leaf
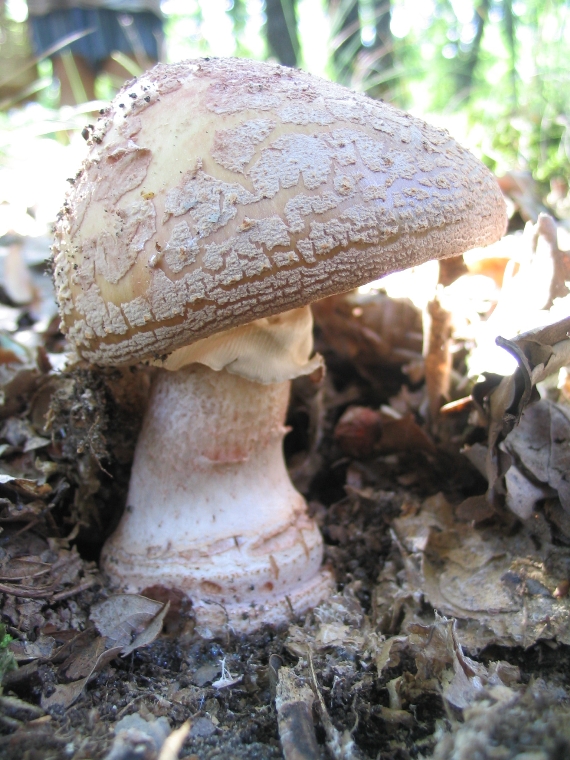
[{"x": 129, "y": 621}]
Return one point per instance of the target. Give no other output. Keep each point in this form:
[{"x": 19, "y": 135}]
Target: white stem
[{"x": 211, "y": 511}]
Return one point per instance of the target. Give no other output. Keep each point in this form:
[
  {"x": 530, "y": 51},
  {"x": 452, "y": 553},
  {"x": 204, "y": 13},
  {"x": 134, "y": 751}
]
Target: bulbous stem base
[{"x": 211, "y": 511}]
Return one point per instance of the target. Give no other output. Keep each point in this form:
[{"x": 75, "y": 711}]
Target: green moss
[{"x": 7, "y": 661}]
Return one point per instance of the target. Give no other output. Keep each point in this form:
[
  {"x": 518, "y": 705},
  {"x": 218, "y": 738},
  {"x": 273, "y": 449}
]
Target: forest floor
[{"x": 447, "y": 531}]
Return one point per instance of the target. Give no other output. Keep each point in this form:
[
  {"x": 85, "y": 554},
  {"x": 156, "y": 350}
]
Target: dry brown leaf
[
  {"x": 370, "y": 330},
  {"x": 149, "y": 632},
  {"x": 522, "y": 494},
  {"x": 438, "y": 653},
  {"x": 64, "y": 695},
  {"x": 389, "y": 653},
  {"x": 42, "y": 648},
  {"x": 441, "y": 667},
  {"x": 25, "y": 486},
  {"x": 403, "y": 434},
  {"x": 129, "y": 621},
  {"x": 340, "y": 623},
  {"x": 533, "y": 293},
  {"x": 539, "y": 352},
  {"x": 19, "y": 374},
  {"x": 18, "y": 512},
  {"x": 358, "y": 431},
  {"x": 81, "y": 663},
  {"x": 498, "y": 586},
  {"x": 541, "y": 443}
]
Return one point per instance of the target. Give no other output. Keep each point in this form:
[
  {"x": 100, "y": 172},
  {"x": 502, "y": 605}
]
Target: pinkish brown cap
[{"x": 218, "y": 192}]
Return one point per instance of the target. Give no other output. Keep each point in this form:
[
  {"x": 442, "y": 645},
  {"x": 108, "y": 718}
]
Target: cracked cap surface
[{"x": 217, "y": 192}]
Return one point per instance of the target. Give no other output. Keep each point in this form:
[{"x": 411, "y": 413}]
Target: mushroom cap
[{"x": 221, "y": 191}]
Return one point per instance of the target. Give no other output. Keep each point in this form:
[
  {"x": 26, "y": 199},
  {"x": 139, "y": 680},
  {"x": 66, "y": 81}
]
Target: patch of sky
[
  {"x": 217, "y": 28},
  {"x": 463, "y": 10},
  {"x": 314, "y": 32},
  {"x": 17, "y": 10}
]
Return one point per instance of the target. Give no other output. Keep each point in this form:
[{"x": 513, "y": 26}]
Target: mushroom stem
[{"x": 211, "y": 511}]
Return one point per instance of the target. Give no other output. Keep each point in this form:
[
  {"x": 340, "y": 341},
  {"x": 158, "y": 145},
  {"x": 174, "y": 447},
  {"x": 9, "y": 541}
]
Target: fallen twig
[
  {"x": 73, "y": 591},
  {"x": 294, "y": 704},
  {"x": 27, "y": 592}
]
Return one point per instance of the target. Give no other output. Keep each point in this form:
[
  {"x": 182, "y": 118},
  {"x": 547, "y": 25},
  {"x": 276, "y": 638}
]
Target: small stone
[
  {"x": 202, "y": 727},
  {"x": 206, "y": 674}
]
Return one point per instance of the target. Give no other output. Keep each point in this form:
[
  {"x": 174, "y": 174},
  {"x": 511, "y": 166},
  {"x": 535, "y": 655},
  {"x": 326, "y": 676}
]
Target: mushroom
[{"x": 220, "y": 197}]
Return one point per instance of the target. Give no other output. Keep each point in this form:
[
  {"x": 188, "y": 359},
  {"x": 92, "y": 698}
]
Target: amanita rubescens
[{"x": 219, "y": 199}]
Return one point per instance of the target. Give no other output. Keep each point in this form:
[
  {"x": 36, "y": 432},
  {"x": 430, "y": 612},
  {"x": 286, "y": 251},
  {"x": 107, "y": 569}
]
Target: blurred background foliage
[{"x": 494, "y": 72}]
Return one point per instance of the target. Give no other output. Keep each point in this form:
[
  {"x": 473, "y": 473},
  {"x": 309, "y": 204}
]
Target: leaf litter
[{"x": 445, "y": 517}]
